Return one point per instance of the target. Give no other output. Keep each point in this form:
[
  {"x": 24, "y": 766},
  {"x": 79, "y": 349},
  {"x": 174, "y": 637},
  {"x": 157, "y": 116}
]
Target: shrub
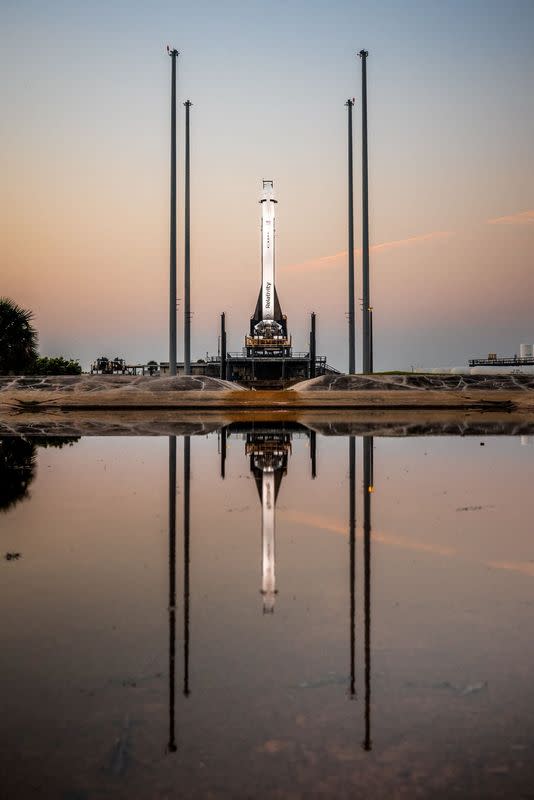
[{"x": 56, "y": 366}]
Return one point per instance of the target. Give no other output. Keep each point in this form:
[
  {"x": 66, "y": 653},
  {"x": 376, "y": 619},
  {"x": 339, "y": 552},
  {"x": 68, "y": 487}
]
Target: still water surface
[{"x": 267, "y": 614}]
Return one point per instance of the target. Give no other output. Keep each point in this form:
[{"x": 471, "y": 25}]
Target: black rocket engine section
[{"x": 278, "y": 316}]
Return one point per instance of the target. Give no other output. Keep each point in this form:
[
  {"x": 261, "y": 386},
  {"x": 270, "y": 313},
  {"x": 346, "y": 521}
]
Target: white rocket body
[
  {"x": 268, "y": 204},
  {"x": 268, "y": 585}
]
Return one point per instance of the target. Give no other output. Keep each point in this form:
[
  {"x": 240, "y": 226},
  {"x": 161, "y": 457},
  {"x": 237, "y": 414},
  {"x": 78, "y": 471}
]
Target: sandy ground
[
  {"x": 29, "y": 399},
  {"x": 344, "y": 403}
]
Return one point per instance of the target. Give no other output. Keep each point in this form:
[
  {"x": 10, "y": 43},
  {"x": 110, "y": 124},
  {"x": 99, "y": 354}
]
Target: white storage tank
[
  {"x": 526, "y": 350},
  {"x": 461, "y": 371},
  {"x": 490, "y": 370}
]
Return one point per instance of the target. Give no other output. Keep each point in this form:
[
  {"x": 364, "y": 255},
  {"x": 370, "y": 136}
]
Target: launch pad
[
  {"x": 267, "y": 360},
  {"x": 275, "y": 373}
]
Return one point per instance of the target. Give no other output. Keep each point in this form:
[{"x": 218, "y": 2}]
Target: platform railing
[
  {"x": 260, "y": 341},
  {"x": 506, "y": 361},
  {"x": 318, "y": 360}
]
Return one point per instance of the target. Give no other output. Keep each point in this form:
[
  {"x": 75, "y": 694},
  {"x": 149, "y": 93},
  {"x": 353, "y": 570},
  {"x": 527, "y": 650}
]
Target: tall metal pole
[
  {"x": 223, "y": 346},
  {"x": 367, "y": 357},
  {"x": 172, "y": 277},
  {"x": 313, "y": 348},
  {"x": 352, "y": 360},
  {"x": 352, "y": 561},
  {"x": 187, "y": 251},
  {"x": 171, "y": 747}
]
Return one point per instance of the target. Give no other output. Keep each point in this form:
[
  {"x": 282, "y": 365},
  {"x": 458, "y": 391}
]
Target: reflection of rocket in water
[
  {"x": 268, "y": 461},
  {"x": 269, "y": 448},
  {"x": 268, "y": 581}
]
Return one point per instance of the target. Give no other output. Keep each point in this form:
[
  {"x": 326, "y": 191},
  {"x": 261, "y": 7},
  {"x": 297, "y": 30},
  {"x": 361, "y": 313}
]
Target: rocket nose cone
[{"x": 267, "y": 191}]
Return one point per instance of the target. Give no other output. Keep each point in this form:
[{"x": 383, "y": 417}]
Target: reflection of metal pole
[
  {"x": 371, "y": 354},
  {"x": 365, "y": 220},
  {"x": 187, "y": 254},
  {"x": 172, "y": 277},
  {"x": 187, "y": 491},
  {"x": 352, "y": 546},
  {"x": 368, "y": 489},
  {"x": 171, "y": 748},
  {"x": 313, "y": 453},
  {"x": 223, "y": 453},
  {"x": 352, "y": 360}
]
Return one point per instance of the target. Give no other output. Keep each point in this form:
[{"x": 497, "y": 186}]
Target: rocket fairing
[{"x": 268, "y": 234}]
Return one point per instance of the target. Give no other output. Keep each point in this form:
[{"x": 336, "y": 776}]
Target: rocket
[
  {"x": 268, "y": 325},
  {"x": 268, "y": 234}
]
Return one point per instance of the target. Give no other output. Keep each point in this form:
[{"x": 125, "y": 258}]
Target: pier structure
[{"x": 502, "y": 361}]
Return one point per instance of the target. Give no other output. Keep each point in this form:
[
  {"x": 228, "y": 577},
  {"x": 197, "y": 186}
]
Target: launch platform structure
[{"x": 267, "y": 359}]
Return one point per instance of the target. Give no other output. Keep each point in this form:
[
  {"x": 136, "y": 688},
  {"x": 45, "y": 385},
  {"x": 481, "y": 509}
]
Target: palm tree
[
  {"x": 18, "y": 461},
  {"x": 18, "y": 338},
  {"x": 18, "y": 465}
]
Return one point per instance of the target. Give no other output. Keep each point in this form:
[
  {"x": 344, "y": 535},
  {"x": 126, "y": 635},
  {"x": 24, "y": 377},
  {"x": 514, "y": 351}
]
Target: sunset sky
[{"x": 84, "y": 154}]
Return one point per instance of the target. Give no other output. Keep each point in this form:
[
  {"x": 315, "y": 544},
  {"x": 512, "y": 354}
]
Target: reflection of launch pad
[{"x": 267, "y": 359}]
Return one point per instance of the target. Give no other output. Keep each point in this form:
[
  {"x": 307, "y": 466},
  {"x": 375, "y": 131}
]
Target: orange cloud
[
  {"x": 337, "y": 258},
  {"x": 521, "y": 218},
  {"x": 335, "y": 526},
  {"x": 523, "y": 567},
  {"x": 338, "y": 526}
]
